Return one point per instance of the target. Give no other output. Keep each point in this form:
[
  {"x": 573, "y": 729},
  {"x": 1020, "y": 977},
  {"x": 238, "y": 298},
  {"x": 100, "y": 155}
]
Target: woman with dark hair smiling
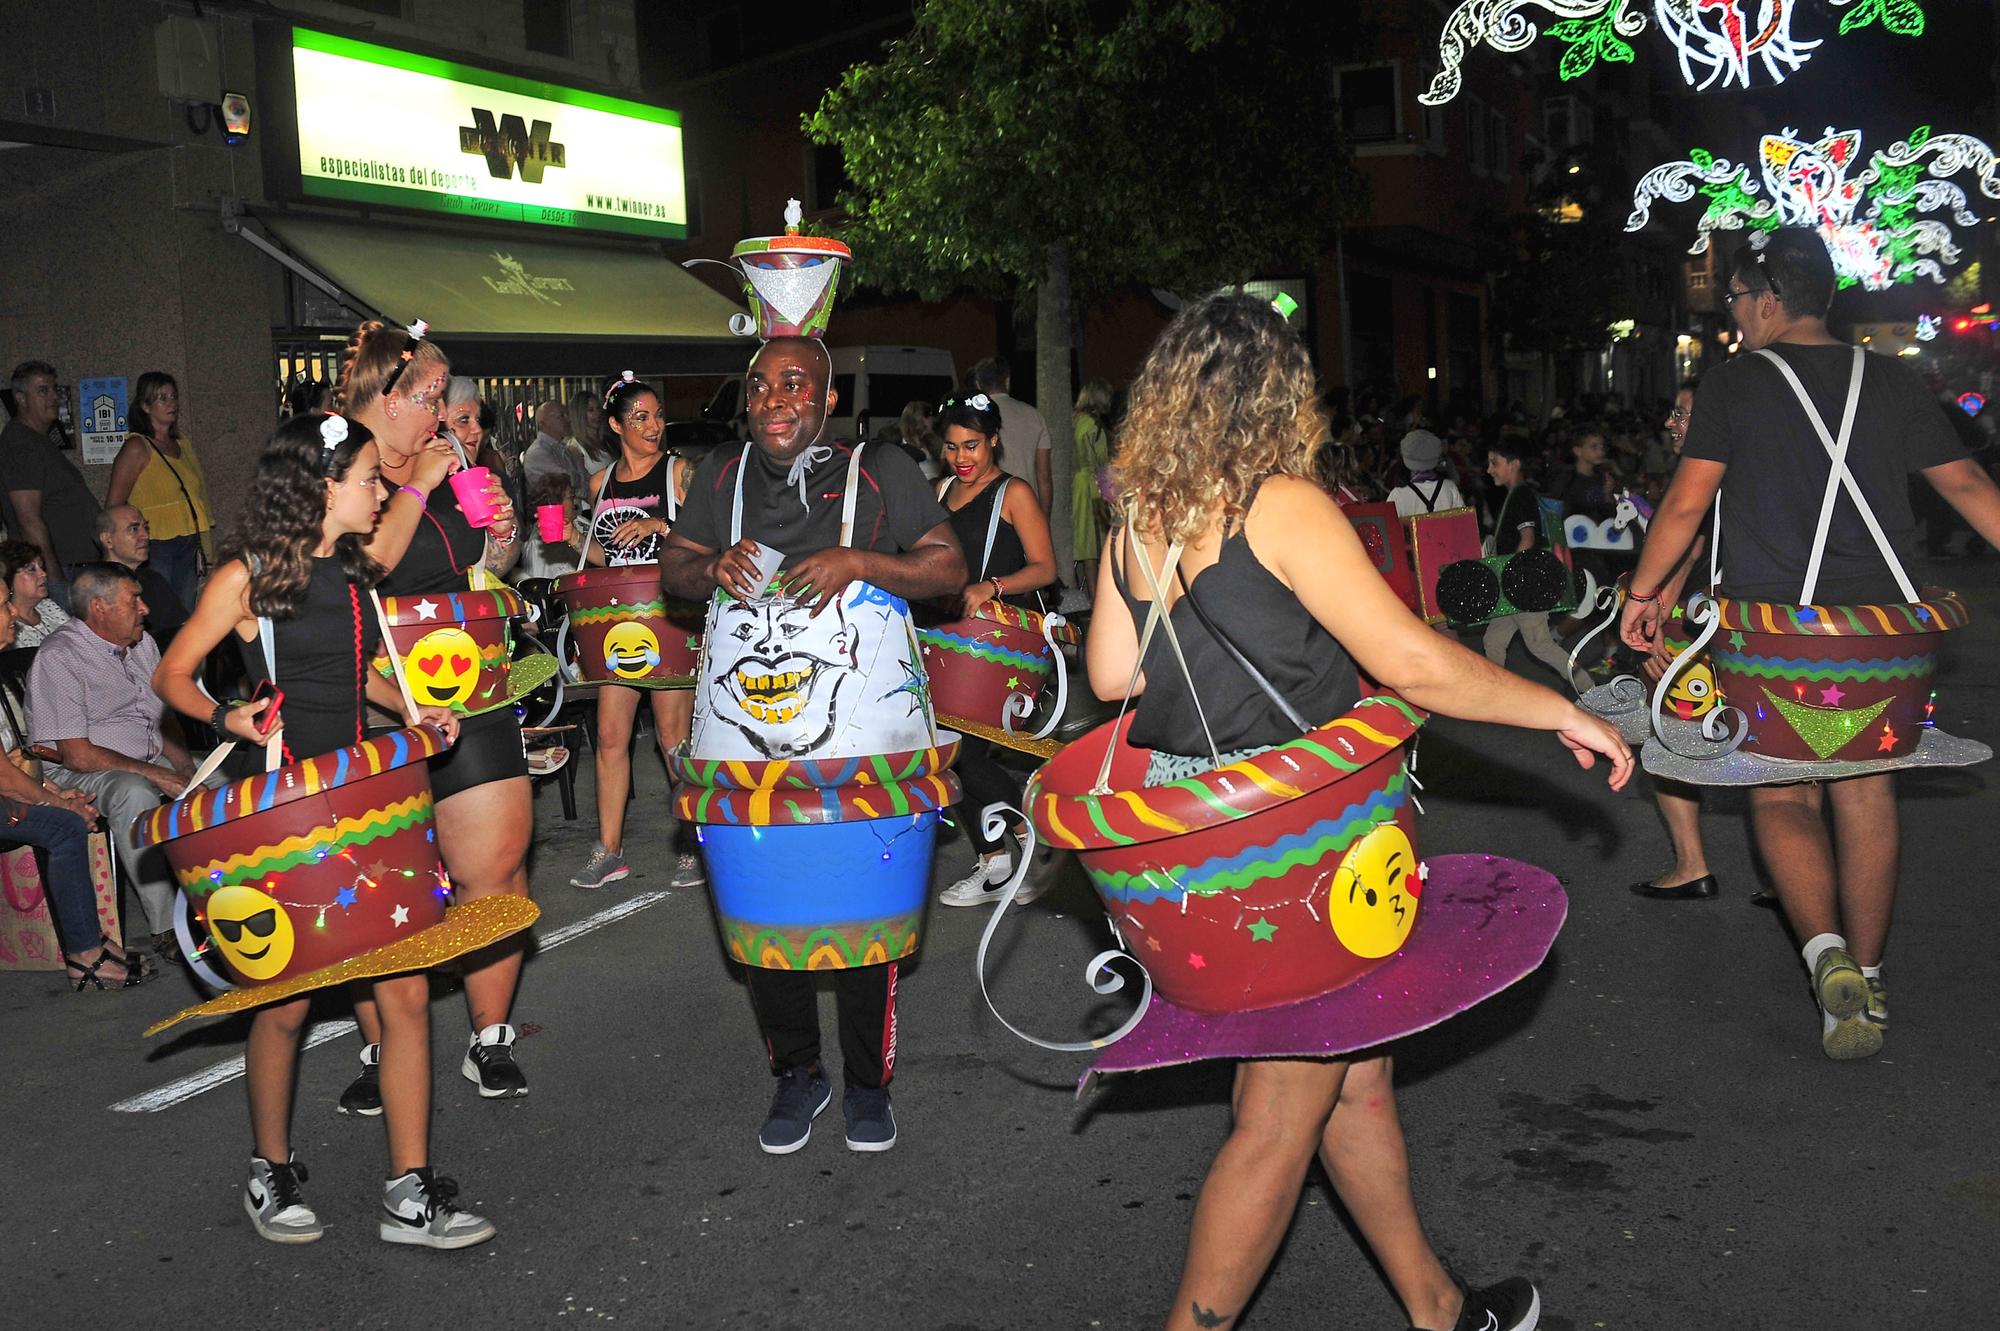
[
  {"x": 36, "y": 616},
  {"x": 159, "y": 473}
]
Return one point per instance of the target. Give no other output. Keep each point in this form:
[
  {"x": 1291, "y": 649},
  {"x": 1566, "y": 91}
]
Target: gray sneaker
[
  {"x": 688, "y": 871},
  {"x": 276, "y": 1206},
  {"x": 871, "y": 1123},
  {"x": 802, "y": 1093},
  {"x": 603, "y": 866},
  {"x": 421, "y": 1208}
]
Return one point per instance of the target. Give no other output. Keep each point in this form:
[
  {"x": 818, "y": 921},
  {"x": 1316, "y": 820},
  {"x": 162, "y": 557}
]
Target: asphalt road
[{"x": 1646, "y": 1126}]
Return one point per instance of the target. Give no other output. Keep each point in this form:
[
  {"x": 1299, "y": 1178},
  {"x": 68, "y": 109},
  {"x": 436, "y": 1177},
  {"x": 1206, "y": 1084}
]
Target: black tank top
[
  {"x": 642, "y": 497},
  {"x": 1264, "y": 620},
  {"x": 1009, "y": 556},
  {"x": 320, "y": 668},
  {"x": 441, "y": 554}
]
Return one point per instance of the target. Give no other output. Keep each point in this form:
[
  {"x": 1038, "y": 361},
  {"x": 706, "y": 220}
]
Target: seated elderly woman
[
  {"x": 39, "y": 813},
  {"x": 26, "y": 581}
]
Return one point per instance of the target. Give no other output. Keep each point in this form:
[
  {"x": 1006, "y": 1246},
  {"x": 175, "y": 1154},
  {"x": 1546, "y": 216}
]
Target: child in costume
[
  {"x": 1216, "y": 461},
  {"x": 295, "y": 599},
  {"x": 1811, "y": 443}
]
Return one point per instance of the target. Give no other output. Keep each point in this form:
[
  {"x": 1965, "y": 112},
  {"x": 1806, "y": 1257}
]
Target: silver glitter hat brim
[{"x": 1743, "y": 768}]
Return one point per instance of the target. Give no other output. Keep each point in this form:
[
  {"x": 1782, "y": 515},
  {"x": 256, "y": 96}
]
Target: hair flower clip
[
  {"x": 979, "y": 402},
  {"x": 333, "y": 432},
  {"x": 625, "y": 376},
  {"x": 418, "y": 331}
]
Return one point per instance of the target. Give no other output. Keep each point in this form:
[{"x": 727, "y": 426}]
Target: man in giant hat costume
[
  {"x": 1822, "y": 649},
  {"x": 815, "y": 769}
]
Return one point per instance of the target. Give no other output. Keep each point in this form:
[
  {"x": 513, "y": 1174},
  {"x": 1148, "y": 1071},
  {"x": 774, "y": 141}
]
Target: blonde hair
[
  {"x": 372, "y": 355},
  {"x": 1094, "y": 399},
  {"x": 1226, "y": 398}
]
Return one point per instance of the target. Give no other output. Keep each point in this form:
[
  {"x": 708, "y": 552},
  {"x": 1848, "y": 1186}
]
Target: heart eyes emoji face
[{"x": 443, "y": 668}]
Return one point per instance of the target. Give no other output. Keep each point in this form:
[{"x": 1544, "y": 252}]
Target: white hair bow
[{"x": 333, "y": 432}]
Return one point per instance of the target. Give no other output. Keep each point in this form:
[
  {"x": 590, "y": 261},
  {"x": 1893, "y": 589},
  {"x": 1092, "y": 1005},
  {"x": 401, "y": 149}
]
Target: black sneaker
[
  {"x": 871, "y": 1123},
  {"x": 489, "y": 1062},
  {"x": 802, "y": 1093},
  {"x": 1511, "y": 1305},
  {"x": 364, "y": 1094}
]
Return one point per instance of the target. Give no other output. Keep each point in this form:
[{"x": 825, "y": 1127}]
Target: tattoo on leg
[{"x": 1208, "y": 1316}]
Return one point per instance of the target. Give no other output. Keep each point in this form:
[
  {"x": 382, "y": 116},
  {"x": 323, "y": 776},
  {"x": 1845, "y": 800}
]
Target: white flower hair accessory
[
  {"x": 418, "y": 331},
  {"x": 332, "y": 432},
  {"x": 979, "y": 402}
]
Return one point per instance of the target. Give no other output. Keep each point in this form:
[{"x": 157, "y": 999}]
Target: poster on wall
[{"x": 101, "y": 403}]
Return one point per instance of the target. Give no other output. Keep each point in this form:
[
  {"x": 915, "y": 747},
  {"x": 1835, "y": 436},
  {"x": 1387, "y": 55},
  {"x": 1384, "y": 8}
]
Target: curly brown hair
[
  {"x": 375, "y": 352},
  {"x": 284, "y": 515},
  {"x": 1226, "y": 398}
]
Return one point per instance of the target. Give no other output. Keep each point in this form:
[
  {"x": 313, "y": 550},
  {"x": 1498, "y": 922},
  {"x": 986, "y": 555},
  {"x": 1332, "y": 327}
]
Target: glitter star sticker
[
  {"x": 1263, "y": 930},
  {"x": 1888, "y": 738},
  {"x": 400, "y": 916},
  {"x": 427, "y": 609},
  {"x": 1831, "y": 695},
  {"x": 346, "y": 897}
]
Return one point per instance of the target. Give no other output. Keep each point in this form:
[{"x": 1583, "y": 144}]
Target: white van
[{"x": 878, "y": 382}]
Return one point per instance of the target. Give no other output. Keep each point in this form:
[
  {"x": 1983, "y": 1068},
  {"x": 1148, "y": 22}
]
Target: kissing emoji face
[
  {"x": 1373, "y": 902},
  {"x": 630, "y": 650},
  {"x": 251, "y": 931},
  {"x": 443, "y": 668}
]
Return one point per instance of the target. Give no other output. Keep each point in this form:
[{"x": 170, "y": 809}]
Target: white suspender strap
[
  {"x": 736, "y": 505},
  {"x": 596, "y": 507},
  {"x": 993, "y": 525},
  {"x": 670, "y": 497},
  {"x": 1839, "y": 476},
  {"x": 853, "y": 489}
]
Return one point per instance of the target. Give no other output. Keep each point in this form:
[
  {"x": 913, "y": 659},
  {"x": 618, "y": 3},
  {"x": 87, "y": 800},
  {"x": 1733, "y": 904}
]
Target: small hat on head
[
  {"x": 789, "y": 280},
  {"x": 1422, "y": 450}
]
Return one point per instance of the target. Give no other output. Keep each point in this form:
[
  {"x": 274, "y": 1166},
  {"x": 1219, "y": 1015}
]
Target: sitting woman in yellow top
[{"x": 159, "y": 473}]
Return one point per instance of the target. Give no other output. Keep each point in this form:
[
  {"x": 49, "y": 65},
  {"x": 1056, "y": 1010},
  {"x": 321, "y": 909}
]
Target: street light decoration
[
  {"x": 1878, "y": 223},
  {"x": 1731, "y": 42}
]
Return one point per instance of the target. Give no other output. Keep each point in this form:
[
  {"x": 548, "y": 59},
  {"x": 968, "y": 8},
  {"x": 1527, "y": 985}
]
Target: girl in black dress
[
  {"x": 630, "y": 509},
  {"x": 1013, "y": 565},
  {"x": 317, "y": 490}
]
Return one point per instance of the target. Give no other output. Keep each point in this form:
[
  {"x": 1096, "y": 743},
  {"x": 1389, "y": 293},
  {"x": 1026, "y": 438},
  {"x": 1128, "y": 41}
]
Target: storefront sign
[
  {"x": 385, "y": 126},
  {"x": 102, "y": 403}
]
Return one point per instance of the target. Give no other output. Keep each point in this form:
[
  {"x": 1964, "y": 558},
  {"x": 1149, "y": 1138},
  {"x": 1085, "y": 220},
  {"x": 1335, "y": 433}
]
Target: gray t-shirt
[
  {"x": 30, "y": 461},
  {"x": 1023, "y": 434}
]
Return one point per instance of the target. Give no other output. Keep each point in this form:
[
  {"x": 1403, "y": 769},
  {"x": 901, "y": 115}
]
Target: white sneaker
[{"x": 986, "y": 884}]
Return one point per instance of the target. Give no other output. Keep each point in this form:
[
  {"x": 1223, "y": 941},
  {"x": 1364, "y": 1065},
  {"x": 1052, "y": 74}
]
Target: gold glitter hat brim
[
  {"x": 464, "y": 929},
  {"x": 1020, "y": 743}
]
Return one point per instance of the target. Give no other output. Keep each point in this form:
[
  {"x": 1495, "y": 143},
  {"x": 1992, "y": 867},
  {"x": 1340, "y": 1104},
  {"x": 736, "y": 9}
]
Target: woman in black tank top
[
  {"x": 316, "y": 494},
  {"x": 631, "y": 508},
  {"x": 1015, "y": 565},
  {"x": 1217, "y": 457}
]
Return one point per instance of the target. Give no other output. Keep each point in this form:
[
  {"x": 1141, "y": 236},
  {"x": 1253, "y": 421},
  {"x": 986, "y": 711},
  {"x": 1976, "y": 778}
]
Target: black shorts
[{"x": 489, "y": 749}]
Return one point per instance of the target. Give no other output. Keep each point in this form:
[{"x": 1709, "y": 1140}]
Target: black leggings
[
  {"x": 787, "y": 1008},
  {"x": 986, "y": 782}
]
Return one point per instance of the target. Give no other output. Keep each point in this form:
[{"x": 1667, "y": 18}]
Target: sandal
[
  {"x": 119, "y": 953},
  {"x": 82, "y": 975}
]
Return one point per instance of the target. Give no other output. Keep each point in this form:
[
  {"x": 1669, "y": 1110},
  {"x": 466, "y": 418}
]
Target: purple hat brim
[{"x": 1486, "y": 923}]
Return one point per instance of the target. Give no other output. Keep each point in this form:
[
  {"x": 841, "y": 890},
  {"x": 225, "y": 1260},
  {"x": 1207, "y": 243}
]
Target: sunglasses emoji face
[{"x": 251, "y": 931}]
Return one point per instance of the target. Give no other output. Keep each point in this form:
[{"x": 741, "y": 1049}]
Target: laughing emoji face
[
  {"x": 1373, "y": 902},
  {"x": 443, "y": 668},
  {"x": 1692, "y": 693},
  {"x": 251, "y": 931},
  {"x": 631, "y": 651}
]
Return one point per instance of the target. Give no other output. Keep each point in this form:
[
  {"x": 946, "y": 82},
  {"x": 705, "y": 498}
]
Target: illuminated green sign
[{"x": 379, "y": 125}]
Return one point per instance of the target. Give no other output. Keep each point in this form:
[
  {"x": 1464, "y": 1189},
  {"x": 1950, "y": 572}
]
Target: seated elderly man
[
  {"x": 127, "y": 540},
  {"x": 91, "y": 700}
]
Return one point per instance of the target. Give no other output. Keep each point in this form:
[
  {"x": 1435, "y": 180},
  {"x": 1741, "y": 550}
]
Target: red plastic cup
[
  {"x": 470, "y": 487},
  {"x": 549, "y": 522}
]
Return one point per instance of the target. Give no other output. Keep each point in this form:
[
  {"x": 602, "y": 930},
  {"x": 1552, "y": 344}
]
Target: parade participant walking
[
  {"x": 1005, "y": 536},
  {"x": 294, "y": 598},
  {"x": 392, "y": 381},
  {"x": 1760, "y": 434},
  {"x": 159, "y": 473},
  {"x": 787, "y": 491},
  {"x": 1216, "y": 460},
  {"x": 634, "y": 504},
  {"x": 1430, "y": 488},
  {"x": 1517, "y": 527}
]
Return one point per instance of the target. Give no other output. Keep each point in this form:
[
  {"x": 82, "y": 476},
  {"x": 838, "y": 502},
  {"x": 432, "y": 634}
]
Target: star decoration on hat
[
  {"x": 346, "y": 897},
  {"x": 1198, "y": 961},
  {"x": 1736, "y": 641},
  {"x": 1831, "y": 695},
  {"x": 377, "y": 870},
  {"x": 1013, "y": 681},
  {"x": 1888, "y": 738},
  {"x": 1153, "y": 943},
  {"x": 400, "y": 916},
  {"x": 427, "y": 609},
  {"x": 1263, "y": 930}
]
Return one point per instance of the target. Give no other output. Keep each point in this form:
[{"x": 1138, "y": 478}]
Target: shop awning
[{"x": 469, "y": 286}]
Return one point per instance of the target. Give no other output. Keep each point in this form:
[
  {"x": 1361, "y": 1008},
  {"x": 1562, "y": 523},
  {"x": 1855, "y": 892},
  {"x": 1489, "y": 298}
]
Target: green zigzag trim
[
  {"x": 201, "y": 884},
  {"x": 1841, "y": 670},
  {"x": 1256, "y": 871},
  {"x": 633, "y": 611},
  {"x": 897, "y": 934}
]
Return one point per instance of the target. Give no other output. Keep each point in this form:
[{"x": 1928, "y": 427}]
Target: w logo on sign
[{"x": 511, "y": 144}]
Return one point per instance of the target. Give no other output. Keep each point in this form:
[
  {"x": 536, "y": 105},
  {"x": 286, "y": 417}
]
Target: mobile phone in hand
[{"x": 267, "y": 720}]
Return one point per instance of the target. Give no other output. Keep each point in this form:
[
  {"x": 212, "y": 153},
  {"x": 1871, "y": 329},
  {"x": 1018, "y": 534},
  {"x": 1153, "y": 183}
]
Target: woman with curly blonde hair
[{"x": 1216, "y": 466}]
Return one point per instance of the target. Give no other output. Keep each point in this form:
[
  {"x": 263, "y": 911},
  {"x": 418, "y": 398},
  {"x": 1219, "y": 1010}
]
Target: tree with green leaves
[{"x": 1062, "y": 149}]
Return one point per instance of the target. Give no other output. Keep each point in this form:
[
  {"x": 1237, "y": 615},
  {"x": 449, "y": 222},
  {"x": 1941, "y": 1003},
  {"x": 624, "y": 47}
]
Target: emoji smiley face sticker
[
  {"x": 251, "y": 931},
  {"x": 443, "y": 668},
  {"x": 1692, "y": 694},
  {"x": 1373, "y": 902},
  {"x": 631, "y": 651}
]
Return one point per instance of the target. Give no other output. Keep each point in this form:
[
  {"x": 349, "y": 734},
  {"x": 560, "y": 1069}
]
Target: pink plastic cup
[
  {"x": 549, "y": 522},
  {"x": 470, "y": 487}
]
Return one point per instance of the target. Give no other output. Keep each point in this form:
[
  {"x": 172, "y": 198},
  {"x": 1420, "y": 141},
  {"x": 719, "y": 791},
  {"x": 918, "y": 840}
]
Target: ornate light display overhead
[
  {"x": 1876, "y": 223},
  {"x": 1718, "y": 41}
]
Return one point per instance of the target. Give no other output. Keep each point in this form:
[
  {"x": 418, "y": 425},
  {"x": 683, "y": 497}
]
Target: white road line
[{"x": 229, "y": 1069}]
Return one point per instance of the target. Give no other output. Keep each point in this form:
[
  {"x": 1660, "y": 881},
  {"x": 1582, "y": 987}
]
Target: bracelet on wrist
[
  {"x": 999, "y": 592},
  {"x": 222, "y": 709},
  {"x": 1642, "y": 600},
  {"x": 423, "y": 500}
]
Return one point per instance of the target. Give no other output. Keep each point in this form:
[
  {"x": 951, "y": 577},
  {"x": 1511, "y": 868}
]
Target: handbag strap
[
  {"x": 1839, "y": 476},
  {"x": 1257, "y": 676},
  {"x": 194, "y": 517}
]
